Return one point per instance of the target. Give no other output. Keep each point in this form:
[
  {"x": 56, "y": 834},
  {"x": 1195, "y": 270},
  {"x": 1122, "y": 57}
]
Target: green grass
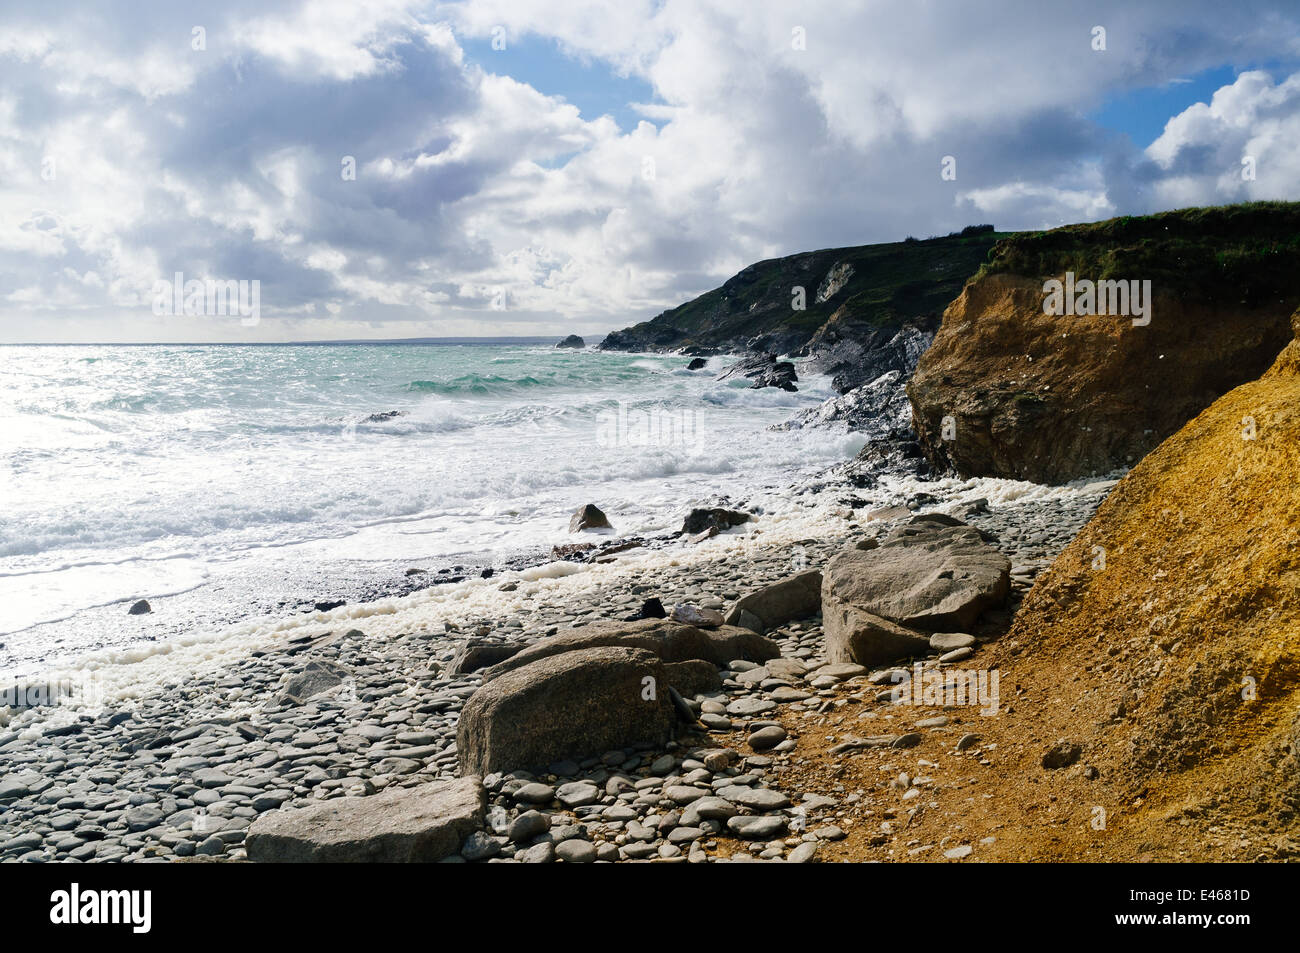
[{"x": 1247, "y": 254}]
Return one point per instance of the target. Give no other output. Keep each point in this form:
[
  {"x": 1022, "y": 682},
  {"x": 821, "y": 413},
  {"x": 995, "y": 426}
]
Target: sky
[{"x": 405, "y": 169}]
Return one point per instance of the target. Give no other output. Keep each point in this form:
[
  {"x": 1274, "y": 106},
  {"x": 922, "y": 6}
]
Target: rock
[
  {"x": 697, "y": 363},
  {"x": 572, "y": 341},
  {"x": 576, "y": 851},
  {"x": 140, "y": 608},
  {"x": 474, "y": 654},
  {"x": 957, "y": 853},
  {"x": 757, "y": 828},
  {"x": 480, "y": 846},
  {"x": 690, "y": 614},
  {"x": 805, "y": 853},
  {"x": 652, "y": 608},
  {"x": 957, "y": 655},
  {"x": 716, "y": 519},
  {"x": 708, "y": 808},
  {"x": 567, "y": 705},
  {"x": 527, "y": 826},
  {"x": 757, "y": 799},
  {"x": 764, "y": 370},
  {"x": 927, "y": 574},
  {"x": 577, "y": 794},
  {"x": 588, "y": 517},
  {"x": 693, "y": 677},
  {"x": 797, "y": 597},
  {"x": 855, "y": 635},
  {"x": 967, "y": 741},
  {"x": 318, "y": 675},
  {"x": 399, "y": 825},
  {"x": 543, "y": 853},
  {"x": 1061, "y": 755},
  {"x": 535, "y": 793},
  {"x": 767, "y": 738},
  {"x": 909, "y": 740},
  {"x": 749, "y": 705},
  {"x": 948, "y": 641},
  {"x": 671, "y": 641}
]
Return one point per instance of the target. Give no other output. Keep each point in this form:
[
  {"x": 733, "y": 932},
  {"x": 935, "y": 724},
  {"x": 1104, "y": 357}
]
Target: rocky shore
[{"x": 208, "y": 768}]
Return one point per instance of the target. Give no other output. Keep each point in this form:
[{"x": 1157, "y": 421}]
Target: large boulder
[
  {"x": 933, "y": 573},
  {"x": 853, "y": 634},
  {"x": 797, "y": 597},
  {"x": 572, "y": 341},
  {"x": 400, "y": 825},
  {"x": 566, "y": 706},
  {"x": 670, "y": 641},
  {"x": 712, "y": 520}
]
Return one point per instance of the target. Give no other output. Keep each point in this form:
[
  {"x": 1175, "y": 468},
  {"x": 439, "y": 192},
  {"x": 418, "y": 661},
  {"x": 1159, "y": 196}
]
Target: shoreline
[{"x": 220, "y": 739}]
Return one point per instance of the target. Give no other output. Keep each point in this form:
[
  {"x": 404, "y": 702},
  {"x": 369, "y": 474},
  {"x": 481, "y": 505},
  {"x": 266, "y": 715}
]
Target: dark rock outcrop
[
  {"x": 712, "y": 520},
  {"x": 765, "y": 371},
  {"x": 572, "y": 341},
  {"x": 588, "y": 517}
]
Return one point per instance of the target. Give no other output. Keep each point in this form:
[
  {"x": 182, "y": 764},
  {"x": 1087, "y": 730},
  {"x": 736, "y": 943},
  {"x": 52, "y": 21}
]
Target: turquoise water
[{"x": 138, "y": 471}]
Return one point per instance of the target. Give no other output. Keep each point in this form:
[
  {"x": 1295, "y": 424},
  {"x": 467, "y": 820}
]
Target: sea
[{"x": 222, "y": 482}]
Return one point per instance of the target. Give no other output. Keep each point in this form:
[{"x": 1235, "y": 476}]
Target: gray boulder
[
  {"x": 695, "y": 677},
  {"x": 399, "y": 825},
  {"x": 316, "y": 676},
  {"x": 474, "y": 654},
  {"x": 795, "y": 598},
  {"x": 854, "y": 635},
  {"x": 670, "y": 641},
  {"x": 565, "y": 706},
  {"x": 933, "y": 573}
]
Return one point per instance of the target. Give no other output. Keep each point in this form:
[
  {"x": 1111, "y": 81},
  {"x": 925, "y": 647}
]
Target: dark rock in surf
[
  {"x": 140, "y": 608},
  {"x": 572, "y": 341},
  {"x": 588, "y": 517}
]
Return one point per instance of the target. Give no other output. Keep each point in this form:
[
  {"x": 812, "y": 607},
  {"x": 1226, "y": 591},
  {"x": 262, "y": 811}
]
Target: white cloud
[{"x": 227, "y": 161}]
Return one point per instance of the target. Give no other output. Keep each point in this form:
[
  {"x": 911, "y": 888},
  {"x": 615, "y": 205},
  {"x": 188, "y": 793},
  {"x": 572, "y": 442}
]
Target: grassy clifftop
[
  {"x": 882, "y": 285},
  {"x": 1231, "y": 254}
]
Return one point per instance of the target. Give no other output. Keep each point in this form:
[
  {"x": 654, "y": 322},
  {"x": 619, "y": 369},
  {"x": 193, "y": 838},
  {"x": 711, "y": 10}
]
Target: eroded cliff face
[
  {"x": 1166, "y": 638},
  {"x": 1006, "y": 390}
]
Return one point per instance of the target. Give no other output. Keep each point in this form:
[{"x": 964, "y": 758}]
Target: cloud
[{"x": 128, "y": 154}]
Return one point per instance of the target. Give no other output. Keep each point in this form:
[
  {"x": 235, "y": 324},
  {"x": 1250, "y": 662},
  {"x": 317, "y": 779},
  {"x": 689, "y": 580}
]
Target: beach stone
[
  {"x": 475, "y": 654},
  {"x": 535, "y": 793},
  {"x": 689, "y": 614},
  {"x": 712, "y": 520},
  {"x": 588, "y": 517},
  {"x": 578, "y": 794},
  {"x": 947, "y": 641},
  {"x": 527, "y": 826},
  {"x": 931, "y": 573},
  {"x": 749, "y": 705},
  {"x": 565, "y": 706},
  {"x": 757, "y": 827},
  {"x": 757, "y": 799},
  {"x": 399, "y": 825},
  {"x": 797, "y": 597},
  {"x": 576, "y": 851},
  {"x": 318, "y": 675},
  {"x": 670, "y": 641},
  {"x": 141, "y": 607},
  {"x": 709, "y": 808},
  {"x": 543, "y": 853},
  {"x": 805, "y": 853},
  {"x": 767, "y": 738},
  {"x": 480, "y": 846}
]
